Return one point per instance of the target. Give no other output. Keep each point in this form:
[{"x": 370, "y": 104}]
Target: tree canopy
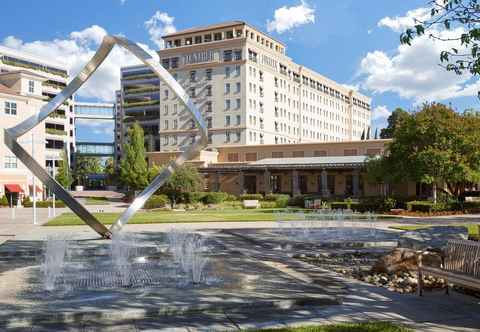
[
  {"x": 397, "y": 116},
  {"x": 85, "y": 166},
  {"x": 64, "y": 175},
  {"x": 133, "y": 167},
  {"x": 185, "y": 179},
  {"x": 461, "y": 18},
  {"x": 434, "y": 144}
]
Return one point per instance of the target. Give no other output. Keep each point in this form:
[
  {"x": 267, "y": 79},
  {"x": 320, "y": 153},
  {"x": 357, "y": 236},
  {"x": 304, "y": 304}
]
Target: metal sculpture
[{"x": 12, "y": 134}]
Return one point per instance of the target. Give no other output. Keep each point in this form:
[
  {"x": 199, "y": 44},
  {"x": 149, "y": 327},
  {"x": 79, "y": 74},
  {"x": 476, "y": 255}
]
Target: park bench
[
  {"x": 251, "y": 204},
  {"x": 460, "y": 265}
]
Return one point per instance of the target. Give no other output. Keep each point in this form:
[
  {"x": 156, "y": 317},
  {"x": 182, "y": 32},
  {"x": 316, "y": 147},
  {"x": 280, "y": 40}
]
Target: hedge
[
  {"x": 298, "y": 201},
  {"x": 281, "y": 200},
  {"x": 45, "y": 204},
  {"x": 268, "y": 205},
  {"x": 156, "y": 202},
  {"x": 214, "y": 197},
  {"x": 420, "y": 206},
  {"x": 4, "y": 201},
  {"x": 248, "y": 197}
]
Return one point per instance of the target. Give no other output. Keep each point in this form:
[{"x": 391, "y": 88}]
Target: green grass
[
  {"x": 345, "y": 327},
  {"x": 473, "y": 229},
  {"x": 70, "y": 219},
  {"x": 96, "y": 201}
]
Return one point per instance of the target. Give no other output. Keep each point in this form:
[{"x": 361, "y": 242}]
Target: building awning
[
  {"x": 39, "y": 190},
  {"x": 13, "y": 188}
]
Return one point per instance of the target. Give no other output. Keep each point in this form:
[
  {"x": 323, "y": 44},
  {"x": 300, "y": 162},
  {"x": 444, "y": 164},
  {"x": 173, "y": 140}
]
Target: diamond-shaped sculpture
[{"x": 12, "y": 134}]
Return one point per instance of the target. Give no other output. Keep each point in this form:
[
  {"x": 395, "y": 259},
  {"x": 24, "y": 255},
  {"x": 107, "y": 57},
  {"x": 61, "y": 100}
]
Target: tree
[
  {"x": 185, "y": 179},
  {"x": 433, "y": 145},
  {"x": 85, "y": 166},
  {"x": 133, "y": 167},
  {"x": 111, "y": 172},
  {"x": 397, "y": 116},
  {"x": 461, "y": 18},
  {"x": 64, "y": 175}
]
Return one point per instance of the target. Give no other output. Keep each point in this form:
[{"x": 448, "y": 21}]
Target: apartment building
[
  {"x": 248, "y": 90},
  {"x": 26, "y": 84}
]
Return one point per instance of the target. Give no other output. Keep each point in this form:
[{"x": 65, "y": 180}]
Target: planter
[
  {"x": 78, "y": 188},
  {"x": 111, "y": 188}
]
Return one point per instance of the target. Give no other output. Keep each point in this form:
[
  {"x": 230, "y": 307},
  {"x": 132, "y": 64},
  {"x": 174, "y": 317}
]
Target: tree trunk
[{"x": 434, "y": 192}]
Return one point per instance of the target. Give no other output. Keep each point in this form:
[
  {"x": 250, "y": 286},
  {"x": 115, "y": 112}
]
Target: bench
[
  {"x": 251, "y": 204},
  {"x": 460, "y": 265}
]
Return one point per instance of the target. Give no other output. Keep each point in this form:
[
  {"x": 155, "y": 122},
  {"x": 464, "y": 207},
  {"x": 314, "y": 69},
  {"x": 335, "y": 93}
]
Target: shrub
[
  {"x": 4, "y": 201},
  {"x": 193, "y": 197},
  {"x": 247, "y": 197},
  {"x": 230, "y": 198},
  {"x": 377, "y": 204},
  {"x": 281, "y": 200},
  {"x": 45, "y": 204},
  {"x": 214, "y": 197},
  {"x": 340, "y": 205},
  {"x": 156, "y": 202},
  {"x": 298, "y": 201},
  {"x": 26, "y": 200},
  {"x": 268, "y": 205},
  {"x": 420, "y": 206}
]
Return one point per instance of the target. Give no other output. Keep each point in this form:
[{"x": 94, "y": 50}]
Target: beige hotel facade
[{"x": 246, "y": 87}]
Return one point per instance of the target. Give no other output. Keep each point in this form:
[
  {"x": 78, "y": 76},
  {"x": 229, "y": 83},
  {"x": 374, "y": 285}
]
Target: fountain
[{"x": 54, "y": 260}]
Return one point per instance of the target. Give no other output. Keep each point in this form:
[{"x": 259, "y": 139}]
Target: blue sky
[{"x": 353, "y": 42}]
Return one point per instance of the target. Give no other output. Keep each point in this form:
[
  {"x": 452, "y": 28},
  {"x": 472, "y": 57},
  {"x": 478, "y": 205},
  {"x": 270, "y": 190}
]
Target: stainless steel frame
[{"x": 12, "y": 134}]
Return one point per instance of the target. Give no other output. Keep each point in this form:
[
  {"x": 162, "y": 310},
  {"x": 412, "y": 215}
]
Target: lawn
[
  {"x": 345, "y": 327},
  {"x": 69, "y": 219},
  {"x": 473, "y": 229},
  {"x": 96, "y": 201}
]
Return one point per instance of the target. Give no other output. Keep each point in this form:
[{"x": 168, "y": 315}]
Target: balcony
[
  {"x": 141, "y": 104},
  {"x": 58, "y": 132}
]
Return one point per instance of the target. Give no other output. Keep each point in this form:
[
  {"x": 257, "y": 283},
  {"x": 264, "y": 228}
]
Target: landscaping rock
[
  {"x": 432, "y": 237},
  {"x": 405, "y": 260}
]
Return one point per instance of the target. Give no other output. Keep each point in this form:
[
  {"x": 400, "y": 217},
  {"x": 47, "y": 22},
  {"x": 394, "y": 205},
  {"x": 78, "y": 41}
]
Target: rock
[
  {"x": 433, "y": 237},
  {"x": 401, "y": 260}
]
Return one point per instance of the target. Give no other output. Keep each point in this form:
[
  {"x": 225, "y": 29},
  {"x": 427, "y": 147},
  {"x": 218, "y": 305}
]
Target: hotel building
[
  {"x": 26, "y": 84},
  {"x": 246, "y": 87}
]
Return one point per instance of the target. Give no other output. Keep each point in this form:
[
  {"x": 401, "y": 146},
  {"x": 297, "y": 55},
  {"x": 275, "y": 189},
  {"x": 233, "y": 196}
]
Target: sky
[{"x": 353, "y": 42}]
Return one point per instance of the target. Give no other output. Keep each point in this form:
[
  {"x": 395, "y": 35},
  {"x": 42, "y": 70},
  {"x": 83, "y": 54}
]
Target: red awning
[
  {"x": 39, "y": 190},
  {"x": 13, "y": 188}
]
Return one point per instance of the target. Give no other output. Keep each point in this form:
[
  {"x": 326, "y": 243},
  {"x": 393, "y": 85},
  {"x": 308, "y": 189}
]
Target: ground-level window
[
  {"x": 10, "y": 162},
  {"x": 10, "y": 108}
]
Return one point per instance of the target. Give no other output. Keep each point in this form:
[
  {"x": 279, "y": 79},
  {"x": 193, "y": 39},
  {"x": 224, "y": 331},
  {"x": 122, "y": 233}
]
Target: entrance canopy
[
  {"x": 39, "y": 190},
  {"x": 13, "y": 188}
]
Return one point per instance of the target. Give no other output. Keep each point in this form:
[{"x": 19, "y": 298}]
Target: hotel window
[
  {"x": 227, "y": 55},
  {"x": 250, "y": 156},
  {"x": 165, "y": 126},
  {"x": 238, "y": 136},
  {"x": 175, "y": 140},
  {"x": 207, "y": 38},
  {"x": 227, "y": 72},
  {"x": 192, "y": 124},
  {"x": 210, "y": 138},
  {"x": 227, "y": 88},
  {"x": 238, "y": 55},
  {"x": 260, "y": 75},
  {"x": 209, "y": 90},
  {"x": 10, "y": 162},
  {"x": 350, "y": 152},
  {"x": 174, "y": 62},
  {"x": 165, "y": 140},
  {"x": 193, "y": 76},
  {"x": 237, "y": 103},
  {"x": 320, "y": 153},
  {"x": 165, "y": 109},
  {"x": 31, "y": 86},
  {"x": 177, "y": 42},
  {"x": 229, "y": 34},
  {"x": 209, "y": 123},
  {"x": 298, "y": 154},
  {"x": 166, "y": 63},
  {"x": 227, "y": 104},
  {"x": 188, "y": 41},
  {"x": 192, "y": 139},
  {"x": 227, "y": 139},
  {"x": 10, "y": 108},
  {"x": 208, "y": 74},
  {"x": 277, "y": 154},
  {"x": 233, "y": 157},
  {"x": 209, "y": 106},
  {"x": 237, "y": 70},
  {"x": 175, "y": 124},
  {"x": 192, "y": 92},
  {"x": 217, "y": 36},
  {"x": 238, "y": 120},
  {"x": 175, "y": 108},
  {"x": 227, "y": 121},
  {"x": 238, "y": 33},
  {"x": 165, "y": 93},
  {"x": 198, "y": 39}
]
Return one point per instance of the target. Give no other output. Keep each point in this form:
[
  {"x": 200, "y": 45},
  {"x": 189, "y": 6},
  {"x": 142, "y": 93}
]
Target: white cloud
[
  {"x": 122, "y": 2},
  {"x": 158, "y": 25},
  {"x": 401, "y": 23},
  {"x": 413, "y": 72},
  {"x": 74, "y": 52},
  {"x": 380, "y": 113},
  {"x": 287, "y": 18},
  {"x": 354, "y": 87}
]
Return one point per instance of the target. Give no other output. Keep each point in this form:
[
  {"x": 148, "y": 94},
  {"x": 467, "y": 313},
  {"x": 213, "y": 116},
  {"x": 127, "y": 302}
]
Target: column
[
  {"x": 267, "y": 182},
  {"x": 295, "y": 184},
  {"x": 216, "y": 182},
  {"x": 356, "y": 183},
  {"x": 325, "y": 192},
  {"x": 241, "y": 183}
]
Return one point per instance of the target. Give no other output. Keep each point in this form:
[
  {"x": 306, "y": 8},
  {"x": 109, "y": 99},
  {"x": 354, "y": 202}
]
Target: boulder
[
  {"x": 405, "y": 260},
  {"x": 432, "y": 238}
]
